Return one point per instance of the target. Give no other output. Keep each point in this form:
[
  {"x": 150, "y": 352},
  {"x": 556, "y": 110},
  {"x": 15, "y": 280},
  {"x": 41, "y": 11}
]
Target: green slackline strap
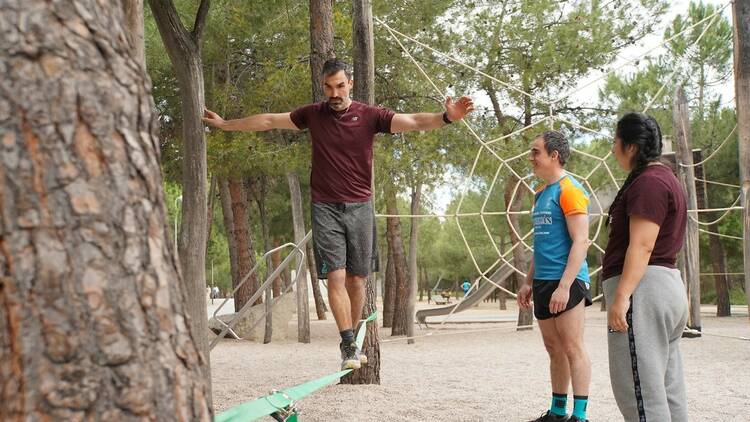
[{"x": 281, "y": 400}]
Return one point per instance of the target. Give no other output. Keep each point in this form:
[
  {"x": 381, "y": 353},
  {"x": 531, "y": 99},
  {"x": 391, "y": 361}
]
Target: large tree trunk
[
  {"x": 389, "y": 290},
  {"x": 245, "y": 254},
  {"x": 741, "y": 45},
  {"x": 183, "y": 48},
  {"x": 133, "y": 10},
  {"x": 393, "y": 234},
  {"x": 94, "y": 321},
  {"x": 416, "y": 195}
]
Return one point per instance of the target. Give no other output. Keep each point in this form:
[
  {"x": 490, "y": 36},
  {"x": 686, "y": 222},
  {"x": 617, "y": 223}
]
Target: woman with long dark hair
[{"x": 643, "y": 289}]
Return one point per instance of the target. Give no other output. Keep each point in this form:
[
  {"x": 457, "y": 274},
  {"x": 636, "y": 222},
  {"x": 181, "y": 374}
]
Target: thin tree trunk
[
  {"x": 687, "y": 178},
  {"x": 303, "y": 308},
  {"x": 395, "y": 243},
  {"x": 260, "y": 187},
  {"x": 184, "y": 51},
  {"x": 275, "y": 262},
  {"x": 321, "y": 43},
  {"x": 520, "y": 259},
  {"x": 94, "y": 319},
  {"x": 718, "y": 264},
  {"x": 719, "y": 267},
  {"x": 364, "y": 91},
  {"x": 245, "y": 255},
  {"x": 416, "y": 195},
  {"x": 226, "y": 208},
  {"x": 212, "y": 192},
  {"x": 389, "y": 289},
  {"x": 320, "y": 303}
]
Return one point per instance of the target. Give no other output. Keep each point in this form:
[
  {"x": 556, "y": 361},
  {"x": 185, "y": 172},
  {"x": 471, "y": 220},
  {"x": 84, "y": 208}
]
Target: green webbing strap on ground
[{"x": 284, "y": 399}]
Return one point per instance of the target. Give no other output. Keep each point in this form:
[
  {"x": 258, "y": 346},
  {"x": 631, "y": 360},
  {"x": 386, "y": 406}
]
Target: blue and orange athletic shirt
[{"x": 552, "y": 241}]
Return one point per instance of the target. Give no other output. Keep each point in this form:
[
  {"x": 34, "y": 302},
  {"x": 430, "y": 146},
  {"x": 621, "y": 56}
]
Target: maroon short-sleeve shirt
[
  {"x": 656, "y": 195},
  {"x": 342, "y": 148}
]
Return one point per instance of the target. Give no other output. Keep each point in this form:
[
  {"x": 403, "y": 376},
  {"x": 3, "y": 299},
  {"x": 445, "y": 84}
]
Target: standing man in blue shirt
[{"x": 558, "y": 277}]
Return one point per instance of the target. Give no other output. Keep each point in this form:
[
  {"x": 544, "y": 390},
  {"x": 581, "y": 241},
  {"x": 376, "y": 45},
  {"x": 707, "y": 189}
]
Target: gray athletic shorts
[{"x": 344, "y": 236}]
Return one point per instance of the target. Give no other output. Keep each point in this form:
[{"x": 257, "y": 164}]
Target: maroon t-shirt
[
  {"x": 657, "y": 196},
  {"x": 342, "y": 148}
]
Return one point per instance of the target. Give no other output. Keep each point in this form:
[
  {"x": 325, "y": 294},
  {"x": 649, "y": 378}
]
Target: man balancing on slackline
[{"x": 343, "y": 220}]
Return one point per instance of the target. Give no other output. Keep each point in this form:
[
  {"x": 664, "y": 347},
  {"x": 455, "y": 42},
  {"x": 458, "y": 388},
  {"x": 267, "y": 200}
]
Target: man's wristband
[{"x": 446, "y": 119}]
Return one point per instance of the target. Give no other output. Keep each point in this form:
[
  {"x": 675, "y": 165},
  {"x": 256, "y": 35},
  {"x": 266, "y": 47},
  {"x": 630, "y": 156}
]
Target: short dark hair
[
  {"x": 334, "y": 65},
  {"x": 555, "y": 141}
]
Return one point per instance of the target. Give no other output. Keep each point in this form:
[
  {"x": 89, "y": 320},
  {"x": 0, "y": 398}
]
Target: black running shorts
[{"x": 542, "y": 293}]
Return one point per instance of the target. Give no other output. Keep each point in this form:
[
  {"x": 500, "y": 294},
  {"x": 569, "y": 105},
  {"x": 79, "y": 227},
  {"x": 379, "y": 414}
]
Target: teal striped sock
[
  {"x": 559, "y": 404},
  {"x": 579, "y": 406}
]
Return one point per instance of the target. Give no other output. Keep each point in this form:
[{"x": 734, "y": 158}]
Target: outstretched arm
[
  {"x": 428, "y": 121},
  {"x": 254, "y": 123}
]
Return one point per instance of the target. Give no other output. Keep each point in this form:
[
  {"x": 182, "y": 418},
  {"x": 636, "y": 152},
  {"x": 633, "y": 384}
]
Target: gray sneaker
[{"x": 349, "y": 356}]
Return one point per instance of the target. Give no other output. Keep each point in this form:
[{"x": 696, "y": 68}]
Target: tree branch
[
  {"x": 200, "y": 21},
  {"x": 173, "y": 32}
]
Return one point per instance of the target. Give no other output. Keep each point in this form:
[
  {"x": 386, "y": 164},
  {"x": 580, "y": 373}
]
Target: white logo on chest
[{"x": 355, "y": 118}]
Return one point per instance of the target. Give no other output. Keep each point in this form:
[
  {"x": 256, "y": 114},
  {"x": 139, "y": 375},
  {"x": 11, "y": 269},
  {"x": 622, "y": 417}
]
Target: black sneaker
[
  {"x": 349, "y": 356},
  {"x": 551, "y": 417},
  {"x": 577, "y": 419}
]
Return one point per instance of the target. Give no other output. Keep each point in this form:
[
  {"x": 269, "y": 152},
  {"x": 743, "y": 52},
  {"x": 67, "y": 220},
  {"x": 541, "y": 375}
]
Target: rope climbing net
[{"x": 522, "y": 182}]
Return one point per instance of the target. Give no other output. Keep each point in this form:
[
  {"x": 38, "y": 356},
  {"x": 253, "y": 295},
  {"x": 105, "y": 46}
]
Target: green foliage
[{"x": 256, "y": 59}]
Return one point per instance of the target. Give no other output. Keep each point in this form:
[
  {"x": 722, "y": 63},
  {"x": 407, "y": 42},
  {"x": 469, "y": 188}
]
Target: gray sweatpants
[{"x": 645, "y": 365}]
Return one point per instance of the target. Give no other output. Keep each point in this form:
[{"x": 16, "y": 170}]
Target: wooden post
[
  {"x": 364, "y": 91},
  {"x": 687, "y": 177},
  {"x": 741, "y": 23}
]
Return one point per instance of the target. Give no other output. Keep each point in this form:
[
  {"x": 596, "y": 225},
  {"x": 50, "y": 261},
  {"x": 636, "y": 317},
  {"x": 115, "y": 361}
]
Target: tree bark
[
  {"x": 364, "y": 72},
  {"x": 687, "y": 177},
  {"x": 389, "y": 290},
  {"x": 719, "y": 267},
  {"x": 520, "y": 259},
  {"x": 212, "y": 193},
  {"x": 303, "y": 308},
  {"x": 321, "y": 43},
  {"x": 226, "y": 208},
  {"x": 259, "y": 191},
  {"x": 133, "y": 10},
  {"x": 275, "y": 262},
  {"x": 320, "y": 303},
  {"x": 393, "y": 234},
  {"x": 184, "y": 50},
  {"x": 94, "y": 319},
  {"x": 416, "y": 195},
  {"x": 741, "y": 25},
  {"x": 245, "y": 249}
]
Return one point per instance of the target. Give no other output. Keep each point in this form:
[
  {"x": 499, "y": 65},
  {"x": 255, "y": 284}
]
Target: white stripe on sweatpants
[{"x": 645, "y": 365}]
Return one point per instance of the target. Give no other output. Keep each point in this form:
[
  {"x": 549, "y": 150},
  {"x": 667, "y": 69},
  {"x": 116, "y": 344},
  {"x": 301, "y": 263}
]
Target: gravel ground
[{"x": 473, "y": 372}]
